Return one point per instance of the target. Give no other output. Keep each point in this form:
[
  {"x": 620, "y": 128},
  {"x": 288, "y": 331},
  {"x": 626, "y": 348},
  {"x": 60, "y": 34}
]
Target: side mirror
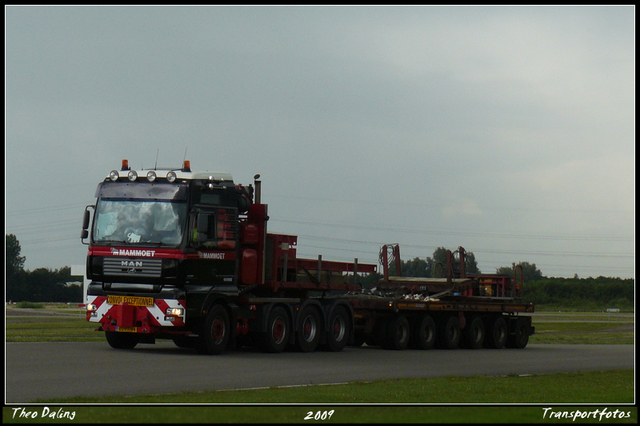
[
  {"x": 85, "y": 220},
  {"x": 85, "y": 224}
]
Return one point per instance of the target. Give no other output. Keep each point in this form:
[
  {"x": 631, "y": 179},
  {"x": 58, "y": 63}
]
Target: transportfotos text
[{"x": 550, "y": 413}]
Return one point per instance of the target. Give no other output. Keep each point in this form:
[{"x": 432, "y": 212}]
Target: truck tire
[
  {"x": 520, "y": 339},
  {"x": 497, "y": 333},
  {"x": 396, "y": 333},
  {"x": 423, "y": 333},
  {"x": 473, "y": 334},
  {"x": 338, "y": 331},
  {"x": 215, "y": 332},
  {"x": 449, "y": 332},
  {"x": 119, "y": 340},
  {"x": 309, "y": 329},
  {"x": 276, "y": 337}
]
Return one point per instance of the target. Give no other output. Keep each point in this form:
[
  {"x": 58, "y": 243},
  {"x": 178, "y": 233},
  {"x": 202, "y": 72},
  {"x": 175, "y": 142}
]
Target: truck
[{"x": 185, "y": 255}]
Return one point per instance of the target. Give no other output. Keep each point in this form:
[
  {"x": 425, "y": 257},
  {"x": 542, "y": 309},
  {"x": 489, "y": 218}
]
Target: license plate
[
  {"x": 131, "y": 300},
  {"x": 127, "y": 329}
]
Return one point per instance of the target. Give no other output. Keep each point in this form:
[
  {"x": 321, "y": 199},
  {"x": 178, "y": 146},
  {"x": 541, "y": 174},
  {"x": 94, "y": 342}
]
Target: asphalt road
[{"x": 59, "y": 370}]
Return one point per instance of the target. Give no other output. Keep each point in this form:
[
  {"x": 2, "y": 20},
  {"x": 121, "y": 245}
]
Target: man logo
[{"x": 131, "y": 265}]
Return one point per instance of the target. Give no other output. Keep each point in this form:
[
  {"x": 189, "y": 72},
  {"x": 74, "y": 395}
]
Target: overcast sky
[{"x": 509, "y": 131}]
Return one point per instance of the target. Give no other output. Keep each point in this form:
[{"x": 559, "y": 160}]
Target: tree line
[
  {"x": 46, "y": 285},
  {"x": 575, "y": 293},
  {"x": 39, "y": 285},
  {"x": 582, "y": 293}
]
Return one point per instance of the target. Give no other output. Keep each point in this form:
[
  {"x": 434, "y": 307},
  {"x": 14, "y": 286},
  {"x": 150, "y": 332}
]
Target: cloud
[{"x": 461, "y": 209}]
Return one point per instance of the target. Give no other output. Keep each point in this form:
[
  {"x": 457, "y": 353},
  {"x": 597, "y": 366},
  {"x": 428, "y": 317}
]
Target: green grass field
[{"x": 509, "y": 399}]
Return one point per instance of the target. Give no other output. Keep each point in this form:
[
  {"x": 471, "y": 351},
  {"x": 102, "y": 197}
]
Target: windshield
[{"x": 139, "y": 221}]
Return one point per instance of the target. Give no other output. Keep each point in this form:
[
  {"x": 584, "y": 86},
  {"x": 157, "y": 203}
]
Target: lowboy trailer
[{"x": 182, "y": 255}]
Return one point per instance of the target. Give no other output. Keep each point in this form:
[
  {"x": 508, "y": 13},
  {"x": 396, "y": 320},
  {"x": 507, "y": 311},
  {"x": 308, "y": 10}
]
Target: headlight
[
  {"x": 171, "y": 176},
  {"x": 91, "y": 307},
  {"x": 178, "y": 312},
  {"x": 114, "y": 175},
  {"x": 151, "y": 176},
  {"x": 133, "y": 175}
]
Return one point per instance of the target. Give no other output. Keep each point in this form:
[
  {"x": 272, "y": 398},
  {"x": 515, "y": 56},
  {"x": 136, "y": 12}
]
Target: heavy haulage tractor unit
[{"x": 185, "y": 255}]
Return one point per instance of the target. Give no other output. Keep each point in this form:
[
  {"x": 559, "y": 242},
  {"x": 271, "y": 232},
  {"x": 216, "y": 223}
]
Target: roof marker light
[
  {"x": 171, "y": 177},
  {"x": 151, "y": 176},
  {"x": 132, "y": 175},
  {"x": 114, "y": 175}
]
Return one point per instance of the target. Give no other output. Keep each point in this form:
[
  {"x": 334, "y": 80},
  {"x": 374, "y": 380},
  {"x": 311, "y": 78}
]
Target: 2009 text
[{"x": 320, "y": 415}]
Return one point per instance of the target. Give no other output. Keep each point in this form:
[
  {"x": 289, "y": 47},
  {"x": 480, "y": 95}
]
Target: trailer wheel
[
  {"x": 497, "y": 333},
  {"x": 423, "y": 333},
  {"x": 310, "y": 329},
  {"x": 338, "y": 332},
  {"x": 520, "y": 339},
  {"x": 396, "y": 333},
  {"x": 119, "y": 340},
  {"x": 276, "y": 337},
  {"x": 473, "y": 334},
  {"x": 449, "y": 332},
  {"x": 215, "y": 335}
]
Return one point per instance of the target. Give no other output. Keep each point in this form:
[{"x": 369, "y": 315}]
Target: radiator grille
[{"x": 133, "y": 267}]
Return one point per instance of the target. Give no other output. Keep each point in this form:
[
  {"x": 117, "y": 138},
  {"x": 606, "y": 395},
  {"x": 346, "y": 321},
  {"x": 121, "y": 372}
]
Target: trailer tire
[
  {"x": 276, "y": 337},
  {"x": 520, "y": 338},
  {"x": 396, "y": 333},
  {"x": 309, "y": 330},
  {"x": 498, "y": 332},
  {"x": 215, "y": 333},
  {"x": 119, "y": 340},
  {"x": 473, "y": 334},
  {"x": 449, "y": 332},
  {"x": 338, "y": 332},
  {"x": 423, "y": 333}
]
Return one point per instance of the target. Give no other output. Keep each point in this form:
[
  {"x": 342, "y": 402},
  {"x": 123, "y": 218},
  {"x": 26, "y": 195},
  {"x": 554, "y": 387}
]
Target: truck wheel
[
  {"x": 449, "y": 332},
  {"x": 520, "y": 339},
  {"x": 310, "y": 329},
  {"x": 473, "y": 334},
  {"x": 276, "y": 337},
  {"x": 497, "y": 333},
  {"x": 396, "y": 334},
  {"x": 423, "y": 334},
  {"x": 338, "y": 332},
  {"x": 215, "y": 334},
  {"x": 119, "y": 340}
]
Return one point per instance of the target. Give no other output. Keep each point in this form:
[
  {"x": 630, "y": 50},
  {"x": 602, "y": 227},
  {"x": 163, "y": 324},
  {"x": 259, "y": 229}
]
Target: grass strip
[{"x": 615, "y": 386}]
